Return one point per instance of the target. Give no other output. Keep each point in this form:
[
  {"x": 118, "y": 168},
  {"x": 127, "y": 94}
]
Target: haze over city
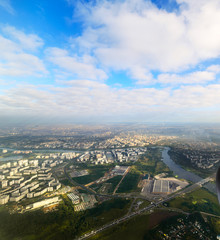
[{"x": 109, "y": 61}]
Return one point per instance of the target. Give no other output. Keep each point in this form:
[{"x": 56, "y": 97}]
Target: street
[{"x": 153, "y": 205}]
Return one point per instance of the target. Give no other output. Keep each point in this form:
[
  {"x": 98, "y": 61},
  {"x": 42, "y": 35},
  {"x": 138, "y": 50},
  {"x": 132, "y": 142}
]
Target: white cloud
[
  {"x": 140, "y": 73},
  {"x": 15, "y": 60},
  {"x": 214, "y": 68},
  {"x": 197, "y": 97},
  {"x": 133, "y": 36},
  {"x": 22, "y": 64},
  {"x": 202, "y": 22},
  {"x": 198, "y": 77},
  {"x": 136, "y": 35},
  {"x": 79, "y": 67},
  {"x": 86, "y": 99},
  {"x": 26, "y": 41}
]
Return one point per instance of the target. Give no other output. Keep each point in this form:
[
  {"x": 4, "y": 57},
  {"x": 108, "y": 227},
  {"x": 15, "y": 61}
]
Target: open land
[{"x": 115, "y": 187}]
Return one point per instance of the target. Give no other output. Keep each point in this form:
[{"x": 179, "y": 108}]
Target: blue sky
[{"x": 110, "y": 61}]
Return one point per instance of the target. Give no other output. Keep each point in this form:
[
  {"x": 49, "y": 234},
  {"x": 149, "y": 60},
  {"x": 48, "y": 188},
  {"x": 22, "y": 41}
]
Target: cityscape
[
  {"x": 169, "y": 178},
  {"x": 110, "y": 120}
]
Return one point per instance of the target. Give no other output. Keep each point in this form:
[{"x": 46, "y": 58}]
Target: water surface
[{"x": 182, "y": 173}]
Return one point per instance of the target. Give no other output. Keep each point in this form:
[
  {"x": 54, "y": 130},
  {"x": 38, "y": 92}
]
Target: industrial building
[
  {"x": 161, "y": 186},
  {"x": 120, "y": 170},
  {"x": 4, "y": 199},
  {"x": 74, "y": 198},
  {"x": 43, "y": 203}
]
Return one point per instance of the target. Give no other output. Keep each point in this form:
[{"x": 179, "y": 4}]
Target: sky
[{"x": 109, "y": 61}]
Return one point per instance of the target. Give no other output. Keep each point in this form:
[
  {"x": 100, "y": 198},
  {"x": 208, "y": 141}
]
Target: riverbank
[
  {"x": 178, "y": 170},
  {"x": 186, "y": 164},
  {"x": 182, "y": 173}
]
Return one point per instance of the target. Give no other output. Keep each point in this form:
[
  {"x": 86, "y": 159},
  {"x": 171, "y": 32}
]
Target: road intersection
[{"x": 151, "y": 206}]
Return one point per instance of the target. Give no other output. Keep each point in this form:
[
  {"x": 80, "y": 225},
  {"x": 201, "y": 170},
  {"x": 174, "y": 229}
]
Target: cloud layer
[
  {"x": 169, "y": 62},
  {"x": 138, "y": 37}
]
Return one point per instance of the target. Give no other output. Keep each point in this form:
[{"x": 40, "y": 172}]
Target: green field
[
  {"x": 130, "y": 230},
  {"x": 150, "y": 163},
  {"x": 135, "y": 228},
  {"x": 61, "y": 224},
  {"x": 95, "y": 172},
  {"x": 215, "y": 223},
  {"x": 114, "y": 181},
  {"x": 108, "y": 211},
  {"x": 66, "y": 182},
  {"x": 129, "y": 183},
  {"x": 199, "y": 200},
  {"x": 144, "y": 203}
]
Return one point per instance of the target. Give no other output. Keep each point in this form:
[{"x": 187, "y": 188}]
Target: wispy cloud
[
  {"x": 198, "y": 77},
  {"x": 75, "y": 66},
  {"x": 26, "y": 41},
  {"x": 16, "y": 59},
  {"x": 6, "y": 4}
]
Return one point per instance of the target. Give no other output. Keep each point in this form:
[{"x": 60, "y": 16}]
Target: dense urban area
[{"x": 109, "y": 182}]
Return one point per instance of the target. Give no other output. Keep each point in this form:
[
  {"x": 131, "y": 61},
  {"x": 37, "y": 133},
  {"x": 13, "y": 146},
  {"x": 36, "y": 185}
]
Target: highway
[
  {"x": 133, "y": 214},
  {"x": 136, "y": 213}
]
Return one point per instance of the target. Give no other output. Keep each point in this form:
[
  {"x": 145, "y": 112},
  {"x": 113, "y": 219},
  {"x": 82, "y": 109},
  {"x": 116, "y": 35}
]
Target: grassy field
[
  {"x": 144, "y": 203},
  {"x": 66, "y": 182},
  {"x": 108, "y": 211},
  {"x": 150, "y": 163},
  {"x": 112, "y": 182},
  {"x": 199, "y": 200},
  {"x": 130, "y": 182},
  {"x": 136, "y": 228},
  {"x": 95, "y": 172},
  {"x": 215, "y": 223}
]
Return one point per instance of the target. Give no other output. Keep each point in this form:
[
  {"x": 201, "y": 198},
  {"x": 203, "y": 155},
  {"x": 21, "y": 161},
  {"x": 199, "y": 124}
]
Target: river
[
  {"x": 182, "y": 173},
  {"x": 177, "y": 170},
  {"x": 12, "y": 158}
]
